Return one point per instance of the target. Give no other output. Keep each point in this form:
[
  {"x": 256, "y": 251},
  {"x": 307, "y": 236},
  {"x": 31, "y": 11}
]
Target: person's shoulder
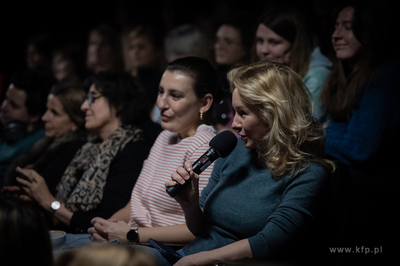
[
  {"x": 205, "y": 131},
  {"x": 314, "y": 172}
]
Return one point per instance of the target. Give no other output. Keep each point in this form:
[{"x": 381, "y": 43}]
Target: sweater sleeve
[
  {"x": 294, "y": 214},
  {"x": 122, "y": 177}
]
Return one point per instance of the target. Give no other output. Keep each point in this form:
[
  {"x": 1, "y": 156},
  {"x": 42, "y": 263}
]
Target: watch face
[
  {"x": 55, "y": 205},
  {"x": 133, "y": 235}
]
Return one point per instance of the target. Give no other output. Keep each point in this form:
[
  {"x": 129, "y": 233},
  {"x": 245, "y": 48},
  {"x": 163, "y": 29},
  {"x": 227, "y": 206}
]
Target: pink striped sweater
[{"x": 151, "y": 206}]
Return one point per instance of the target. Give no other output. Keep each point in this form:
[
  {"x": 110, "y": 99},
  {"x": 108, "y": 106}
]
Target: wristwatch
[
  {"x": 133, "y": 235},
  {"x": 55, "y": 205}
]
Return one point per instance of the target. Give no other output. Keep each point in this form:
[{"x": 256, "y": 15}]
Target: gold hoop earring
[{"x": 201, "y": 116}]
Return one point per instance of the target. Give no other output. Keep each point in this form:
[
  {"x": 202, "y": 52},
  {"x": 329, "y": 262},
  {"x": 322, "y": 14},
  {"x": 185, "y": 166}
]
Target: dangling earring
[{"x": 201, "y": 115}]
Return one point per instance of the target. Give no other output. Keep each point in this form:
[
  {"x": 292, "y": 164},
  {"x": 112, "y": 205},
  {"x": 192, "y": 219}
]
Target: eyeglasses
[{"x": 91, "y": 97}]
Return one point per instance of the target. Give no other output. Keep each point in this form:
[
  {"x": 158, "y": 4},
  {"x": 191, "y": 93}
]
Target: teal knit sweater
[{"x": 242, "y": 201}]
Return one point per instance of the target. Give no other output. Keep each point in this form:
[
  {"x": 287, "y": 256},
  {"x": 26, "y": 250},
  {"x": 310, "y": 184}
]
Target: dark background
[{"x": 70, "y": 21}]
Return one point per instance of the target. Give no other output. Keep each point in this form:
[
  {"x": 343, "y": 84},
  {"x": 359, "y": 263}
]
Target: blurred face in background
[
  {"x": 228, "y": 47},
  {"x": 344, "y": 42},
  {"x": 99, "y": 52},
  {"x": 63, "y": 68},
  {"x": 56, "y": 121},
  {"x": 271, "y": 46},
  {"x": 141, "y": 52},
  {"x": 13, "y": 107},
  {"x": 34, "y": 58}
]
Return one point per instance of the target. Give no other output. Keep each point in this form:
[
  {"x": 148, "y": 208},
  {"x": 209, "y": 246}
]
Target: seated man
[{"x": 20, "y": 113}]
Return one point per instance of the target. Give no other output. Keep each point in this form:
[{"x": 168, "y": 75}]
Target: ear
[{"x": 206, "y": 102}]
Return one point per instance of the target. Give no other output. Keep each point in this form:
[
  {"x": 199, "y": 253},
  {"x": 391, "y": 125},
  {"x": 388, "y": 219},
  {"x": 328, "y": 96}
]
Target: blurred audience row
[{"x": 90, "y": 135}]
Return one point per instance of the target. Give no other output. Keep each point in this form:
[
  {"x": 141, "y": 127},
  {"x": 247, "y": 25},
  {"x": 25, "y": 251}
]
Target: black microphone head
[{"x": 224, "y": 142}]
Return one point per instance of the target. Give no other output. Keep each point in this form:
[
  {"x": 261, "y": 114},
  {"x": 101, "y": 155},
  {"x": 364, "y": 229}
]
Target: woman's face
[
  {"x": 247, "y": 122},
  {"x": 62, "y": 68},
  {"x": 271, "y": 46},
  {"x": 141, "y": 52},
  {"x": 228, "y": 47},
  {"x": 33, "y": 57},
  {"x": 344, "y": 42},
  {"x": 101, "y": 118},
  {"x": 179, "y": 106},
  {"x": 56, "y": 120},
  {"x": 99, "y": 51}
]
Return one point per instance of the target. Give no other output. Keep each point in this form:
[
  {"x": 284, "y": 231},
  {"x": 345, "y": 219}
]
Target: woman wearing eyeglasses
[{"x": 100, "y": 178}]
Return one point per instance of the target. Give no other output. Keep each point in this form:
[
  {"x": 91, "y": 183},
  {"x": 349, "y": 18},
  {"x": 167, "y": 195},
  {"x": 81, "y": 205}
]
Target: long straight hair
[
  {"x": 290, "y": 23},
  {"x": 344, "y": 86}
]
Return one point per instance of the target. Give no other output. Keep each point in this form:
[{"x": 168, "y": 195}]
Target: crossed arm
[{"x": 117, "y": 227}]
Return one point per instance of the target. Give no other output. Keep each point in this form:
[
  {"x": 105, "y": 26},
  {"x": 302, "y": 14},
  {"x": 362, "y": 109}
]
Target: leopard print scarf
[{"x": 82, "y": 184}]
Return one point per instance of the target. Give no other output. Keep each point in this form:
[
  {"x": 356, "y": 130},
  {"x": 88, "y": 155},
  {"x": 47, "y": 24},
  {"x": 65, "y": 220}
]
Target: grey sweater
[{"x": 242, "y": 201}]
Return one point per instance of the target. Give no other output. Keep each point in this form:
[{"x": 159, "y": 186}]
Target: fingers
[
  {"x": 12, "y": 189},
  {"x": 23, "y": 182},
  {"x": 97, "y": 220},
  {"x": 98, "y": 238},
  {"x": 26, "y": 172},
  {"x": 100, "y": 228},
  {"x": 188, "y": 166}
]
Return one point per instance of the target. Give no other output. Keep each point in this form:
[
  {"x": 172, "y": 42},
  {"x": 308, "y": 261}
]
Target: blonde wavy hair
[{"x": 294, "y": 138}]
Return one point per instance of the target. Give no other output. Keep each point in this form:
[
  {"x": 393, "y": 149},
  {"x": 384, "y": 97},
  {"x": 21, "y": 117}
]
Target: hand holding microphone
[{"x": 220, "y": 146}]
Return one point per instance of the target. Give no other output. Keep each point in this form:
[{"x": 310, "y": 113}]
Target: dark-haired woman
[
  {"x": 186, "y": 94},
  {"x": 361, "y": 96},
  {"x": 283, "y": 36},
  {"x": 100, "y": 178},
  {"x": 24, "y": 235}
]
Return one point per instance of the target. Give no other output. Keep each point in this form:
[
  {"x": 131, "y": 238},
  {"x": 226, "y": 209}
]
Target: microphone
[{"x": 220, "y": 146}]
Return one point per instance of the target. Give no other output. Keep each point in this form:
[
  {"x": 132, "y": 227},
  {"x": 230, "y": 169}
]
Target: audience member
[
  {"x": 99, "y": 179},
  {"x": 64, "y": 124},
  {"x": 361, "y": 98},
  {"x": 283, "y": 36},
  {"x": 277, "y": 173},
  {"x": 185, "y": 40},
  {"x": 24, "y": 104},
  {"x": 104, "y": 50},
  {"x": 147, "y": 61},
  {"x": 233, "y": 42},
  {"x": 104, "y": 255},
  {"x": 24, "y": 235},
  {"x": 187, "y": 90},
  {"x": 39, "y": 51},
  {"x": 69, "y": 64}
]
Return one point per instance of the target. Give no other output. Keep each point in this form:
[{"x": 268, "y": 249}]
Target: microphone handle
[{"x": 198, "y": 167}]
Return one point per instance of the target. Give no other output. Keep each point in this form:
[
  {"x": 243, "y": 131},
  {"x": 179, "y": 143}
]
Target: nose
[
  {"x": 337, "y": 34},
  {"x": 4, "y": 106},
  {"x": 236, "y": 123},
  {"x": 85, "y": 105},
  {"x": 162, "y": 102},
  {"x": 265, "y": 48},
  {"x": 45, "y": 116}
]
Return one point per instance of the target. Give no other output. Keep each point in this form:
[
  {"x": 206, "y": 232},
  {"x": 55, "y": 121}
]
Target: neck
[
  {"x": 189, "y": 133},
  {"x": 106, "y": 131}
]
